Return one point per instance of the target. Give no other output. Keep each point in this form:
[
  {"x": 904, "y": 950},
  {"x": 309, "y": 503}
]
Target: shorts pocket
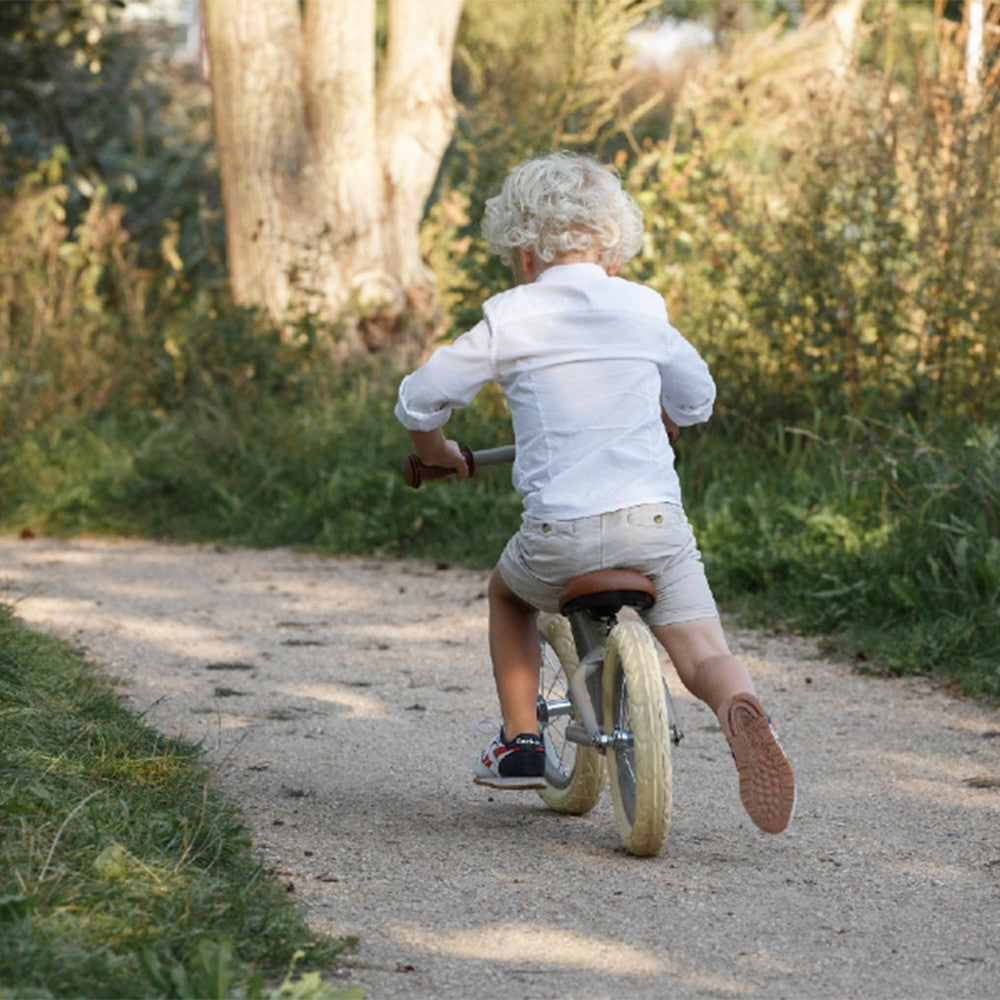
[
  {"x": 655, "y": 516},
  {"x": 531, "y": 528},
  {"x": 547, "y": 550}
]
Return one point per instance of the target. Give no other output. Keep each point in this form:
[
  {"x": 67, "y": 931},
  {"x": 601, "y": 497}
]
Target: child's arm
[
  {"x": 433, "y": 448},
  {"x": 450, "y": 378},
  {"x": 671, "y": 428},
  {"x": 687, "y": 388}
]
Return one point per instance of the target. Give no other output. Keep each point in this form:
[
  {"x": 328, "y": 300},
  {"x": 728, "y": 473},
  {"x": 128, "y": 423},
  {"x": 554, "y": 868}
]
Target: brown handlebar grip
[{"x": 415, "y": 472}]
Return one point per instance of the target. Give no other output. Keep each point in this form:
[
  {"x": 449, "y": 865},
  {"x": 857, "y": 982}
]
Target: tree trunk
[
  {"x": 841, "y": 18},
  {"x": 975, "y": 17},
  {"x": 845, "y": 16},
  {"x": 415, "y": 119},
  {"x": 325, "y": 170},
  {"x": 256, "y": 54}
]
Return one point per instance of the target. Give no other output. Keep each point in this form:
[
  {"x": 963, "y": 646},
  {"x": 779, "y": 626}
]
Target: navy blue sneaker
[{"x": 516, "y": 763}]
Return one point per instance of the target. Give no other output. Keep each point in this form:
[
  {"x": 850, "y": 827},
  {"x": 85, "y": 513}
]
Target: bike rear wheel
[
  {"x": 635, "y": 716},
  {"x": 574, "y": 775}
]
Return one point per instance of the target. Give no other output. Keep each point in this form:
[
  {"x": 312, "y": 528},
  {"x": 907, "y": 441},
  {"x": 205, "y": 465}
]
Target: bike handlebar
[{"x": 415, "y": 472}]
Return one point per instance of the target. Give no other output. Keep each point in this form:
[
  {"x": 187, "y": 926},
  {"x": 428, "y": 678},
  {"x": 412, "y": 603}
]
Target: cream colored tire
[
  {"x": 574, "y": 775},
  {"x": 640, "y": 775}
]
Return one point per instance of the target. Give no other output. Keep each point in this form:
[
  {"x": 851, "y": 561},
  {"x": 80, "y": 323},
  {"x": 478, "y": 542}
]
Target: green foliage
[
  {"x": 884, "y": 537},
  {"x": 128, "y": 127},
  {"x": 834, "y": 252},
  {"x": 323, "y": 473},
  {"x": 71, "y": 309},
  {"x": 110, "y": 220},
  {"x": 52, "y": 54},
  {"x": 560, "y": 79},
  {"x": 121, "y": 873},
  {"x": 831, "y": 246}
]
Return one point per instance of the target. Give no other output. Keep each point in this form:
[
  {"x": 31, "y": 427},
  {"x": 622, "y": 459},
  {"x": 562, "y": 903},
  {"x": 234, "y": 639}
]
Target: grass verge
[
  {"x": 122, "y": 874},
  {"x": 881, "y": 537}
]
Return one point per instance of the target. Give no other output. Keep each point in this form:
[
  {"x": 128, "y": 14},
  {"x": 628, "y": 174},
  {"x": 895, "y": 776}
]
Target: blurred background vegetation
[{"x": 828, "y": 238}]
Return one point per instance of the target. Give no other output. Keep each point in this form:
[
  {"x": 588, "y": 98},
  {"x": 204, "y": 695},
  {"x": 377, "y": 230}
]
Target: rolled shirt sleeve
[
  {"x": 449, "y": 379},
  {"x": 688, "y": 392},
  {"x": 583, "y": 359}
]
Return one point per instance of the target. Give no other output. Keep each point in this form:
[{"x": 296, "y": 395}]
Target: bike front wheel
[
  {"x": 574, "y": 774},
  {"x": 636, "y": 720}
]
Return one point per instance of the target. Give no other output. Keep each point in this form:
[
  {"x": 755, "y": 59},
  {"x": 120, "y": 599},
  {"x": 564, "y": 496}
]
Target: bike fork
[{"x": 590, "y": 635}]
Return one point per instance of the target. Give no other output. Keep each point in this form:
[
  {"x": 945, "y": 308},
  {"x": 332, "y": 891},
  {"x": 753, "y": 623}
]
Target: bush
[
  {"x": 883, "y": 537},
  {"x": 831, "y": 248}
]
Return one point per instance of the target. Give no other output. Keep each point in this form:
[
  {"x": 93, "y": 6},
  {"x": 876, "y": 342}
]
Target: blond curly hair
[{"x": 561, "y": 205}]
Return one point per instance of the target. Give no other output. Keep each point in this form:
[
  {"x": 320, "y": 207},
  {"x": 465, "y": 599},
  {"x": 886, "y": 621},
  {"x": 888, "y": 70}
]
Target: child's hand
[
  {"x": 672, "y": 429},
  {"x": 433, "y": 448},
  {"x": 451, "y": 457}
]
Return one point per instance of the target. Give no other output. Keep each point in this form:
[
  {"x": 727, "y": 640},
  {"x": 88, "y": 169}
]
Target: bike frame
[
  {"x": 590, "y": 631},
  {"x": 636, "y": 739},
  {"x": 590, "y": 634}
]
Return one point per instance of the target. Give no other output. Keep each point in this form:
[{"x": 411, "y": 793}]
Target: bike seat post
[
  {"x": 591, "y": 602},
  {"x": 589, "y": 632},
  {"x": 589, "y": 636}
]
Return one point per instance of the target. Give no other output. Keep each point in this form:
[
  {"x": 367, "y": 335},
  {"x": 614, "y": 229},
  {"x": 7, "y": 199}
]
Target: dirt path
[{"x": 337, "y": 700}]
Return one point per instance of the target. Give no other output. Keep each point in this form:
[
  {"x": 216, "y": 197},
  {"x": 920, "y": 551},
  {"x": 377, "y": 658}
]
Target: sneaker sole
[
  {"x": 767, "y": 782},
  {"x": 510, "y": 783}
]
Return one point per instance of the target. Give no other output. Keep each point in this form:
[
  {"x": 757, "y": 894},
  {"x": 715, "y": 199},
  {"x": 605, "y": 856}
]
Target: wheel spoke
[
  {"x": 624, "y": 756},
  {"x": 639, "y": 747},
  {"x": 574, "y": 775},
  {"x": 561, "y": 751}
]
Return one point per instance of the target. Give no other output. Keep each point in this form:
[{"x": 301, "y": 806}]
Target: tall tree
[
  {"x": 326, "y": 163},
  {"x": 840, "y": 18},
  {"x": 975, "y": 16}
]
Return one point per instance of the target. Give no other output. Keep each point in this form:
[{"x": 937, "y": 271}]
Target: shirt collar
[{"x": 572, "y": 273}]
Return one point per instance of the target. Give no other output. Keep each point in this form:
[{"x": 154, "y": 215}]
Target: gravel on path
[{"x": 337, "y": 701}]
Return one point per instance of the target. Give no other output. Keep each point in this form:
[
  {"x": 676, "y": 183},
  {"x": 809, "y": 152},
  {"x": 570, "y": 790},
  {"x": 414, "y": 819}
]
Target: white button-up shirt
[{"x": 585, "y": 361}]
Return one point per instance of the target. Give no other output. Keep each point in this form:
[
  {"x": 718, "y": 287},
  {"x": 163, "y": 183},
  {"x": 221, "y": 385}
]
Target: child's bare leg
[
  {"x": 701, "y": 657},
  {"x": 708, "y": 669},
  {"x": 516, "y": 655}
]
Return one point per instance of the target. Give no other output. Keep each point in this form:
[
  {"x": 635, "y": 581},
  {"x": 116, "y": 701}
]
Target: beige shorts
[{"x": 654, "y": 539}]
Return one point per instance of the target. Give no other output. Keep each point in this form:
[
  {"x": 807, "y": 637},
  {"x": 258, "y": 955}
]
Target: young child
[{"x": 597, "y": 382}]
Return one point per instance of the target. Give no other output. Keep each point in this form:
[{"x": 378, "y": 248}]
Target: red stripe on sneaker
[{"x": 497, "y": 754}]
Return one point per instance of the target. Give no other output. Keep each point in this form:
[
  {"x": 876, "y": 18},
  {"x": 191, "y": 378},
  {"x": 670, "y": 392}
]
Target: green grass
[
  {"x": 122, "y": 874},
  {"x": 322, "y": 474},
  {"x": 881, "y": 537}
]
